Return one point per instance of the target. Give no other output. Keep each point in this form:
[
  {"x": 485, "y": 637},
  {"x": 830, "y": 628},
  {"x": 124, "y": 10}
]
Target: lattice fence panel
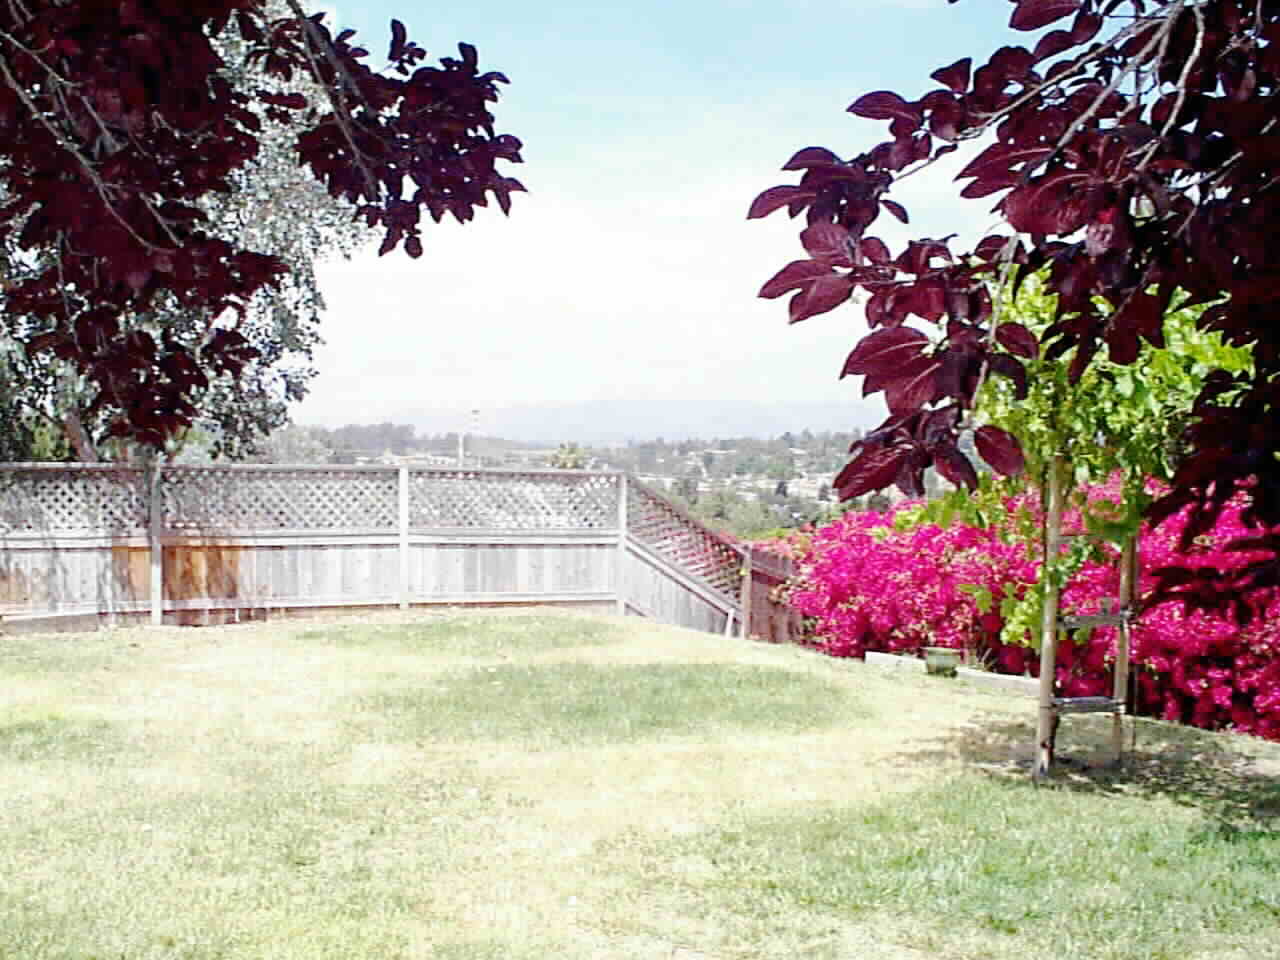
[
  {"x": 666, "y": 529},
  {"x": 107, "y": 502},
  {"x": 453, "y": 499},
  {"x": 775, "y": 565},
  {"x": 226, "y": 498}
]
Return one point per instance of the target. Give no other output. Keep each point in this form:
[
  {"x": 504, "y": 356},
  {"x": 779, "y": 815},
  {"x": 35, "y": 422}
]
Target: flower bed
[{"x": 879, "y": 581}]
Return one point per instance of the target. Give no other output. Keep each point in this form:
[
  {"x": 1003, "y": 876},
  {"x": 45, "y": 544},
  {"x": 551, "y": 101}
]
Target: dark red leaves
[
  {"x": 169, "y": 127},
  {"x": 1110, "y": 230},
  {"x": 880, "y": 312},
  {"x": 1007, "y": 366},
  {"x": 956, "y": 76},
  {"x": 1052, "y": 44},
  {"x": 823, "y": 294},
  {"x": 885, "y": 351},
  {"x": 948, "y": 115},
  {"x": 1010, "y": 64},
  {"x": 1119, "y": 201},
  {"x": 1143, "y": 313},
  {"x": 873, "y": 249},
  {"x": 885, "y": 105},
  {"x": 820, "y": 288},
  {"x": 286, "y": 101},
  {"x": 249, "y": 31},
  {"x": 828, "y": 243},
  {"x": 873, "y": 469},
  {"x": 1000, "y": 449},
  {"x": 776, "y": 197},
  {"x": 794, "y": 276},
  {"x": 1086, "y": 350},
  {"x": 1034, "y": 14},
  {"x": 45, "y": 341},
  {"x": 958, "y": 374},
  {"x": 1085, "y": 27},
  {"x": 1058, "y": 203},
  {"x": 913, "y": 386},
  {"x": 937, "y": 426},
  {"x": 810, "y": 157},
  {"x": 894, "y": 360},
  {"x": 955, "y": 467},
  {"x": 921, "y": 257},
  {"x": 896, "y": 209},
  {"x": 399, "y": 39},
  {"x": 1017, "y": 339},
  {"x": 992, "y": 248},
  {"x": 1122, "y": 344},
  {"x": 999, "y": 166}
]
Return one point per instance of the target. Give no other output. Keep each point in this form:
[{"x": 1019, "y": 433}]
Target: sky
[{"x": 618, "y": 301}]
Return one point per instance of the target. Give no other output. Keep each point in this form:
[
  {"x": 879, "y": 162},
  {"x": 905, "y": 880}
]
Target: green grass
[
  {"x": 28, "y": 737},
  {"x": 61, "y": 654},
  {"x": 574, "y": 704},
  {"x": 539, "y": 786},
  {"x": 477, "y": 636},
  {"x": 1005, "y": 865}
]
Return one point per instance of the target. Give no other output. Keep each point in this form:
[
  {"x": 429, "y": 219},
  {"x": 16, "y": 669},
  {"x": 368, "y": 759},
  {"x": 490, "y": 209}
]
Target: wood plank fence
[
  {"x": 196, "y": 544},
  {"x": 765, "y": 614}
]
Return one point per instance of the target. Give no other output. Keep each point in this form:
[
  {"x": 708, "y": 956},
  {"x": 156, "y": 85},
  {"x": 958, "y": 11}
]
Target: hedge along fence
[{"x": 180, "y": 543}]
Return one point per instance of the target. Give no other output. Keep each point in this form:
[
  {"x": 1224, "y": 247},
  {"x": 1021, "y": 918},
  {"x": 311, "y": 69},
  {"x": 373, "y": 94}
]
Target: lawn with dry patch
[{"x": 557, "y": 785}]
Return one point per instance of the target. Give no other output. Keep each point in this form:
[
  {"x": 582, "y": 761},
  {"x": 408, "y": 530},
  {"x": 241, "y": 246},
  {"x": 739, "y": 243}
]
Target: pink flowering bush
[
  {"x": 878, "y": 581},
  {"x": 794, "y": 545}
]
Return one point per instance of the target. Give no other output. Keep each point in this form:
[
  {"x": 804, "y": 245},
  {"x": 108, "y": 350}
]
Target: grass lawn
[{"x": 534, "y": 785}]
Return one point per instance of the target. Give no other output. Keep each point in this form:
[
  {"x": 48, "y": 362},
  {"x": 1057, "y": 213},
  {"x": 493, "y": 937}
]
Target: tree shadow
[{"x": 1230, "y": 778}]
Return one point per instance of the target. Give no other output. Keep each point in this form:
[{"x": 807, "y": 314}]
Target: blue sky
[{"x": 618, "y": 300}]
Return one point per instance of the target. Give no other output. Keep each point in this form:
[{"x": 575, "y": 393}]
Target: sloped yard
[{"x": 551, "y": 785}]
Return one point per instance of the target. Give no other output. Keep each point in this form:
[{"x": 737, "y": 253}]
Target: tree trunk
[{"x": 78, "y": 437}]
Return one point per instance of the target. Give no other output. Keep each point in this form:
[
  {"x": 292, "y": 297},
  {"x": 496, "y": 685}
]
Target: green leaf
[{"x": 981, "y": 594}]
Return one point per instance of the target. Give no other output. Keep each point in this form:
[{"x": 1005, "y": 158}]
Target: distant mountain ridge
[{"x": 590, "y": 425}]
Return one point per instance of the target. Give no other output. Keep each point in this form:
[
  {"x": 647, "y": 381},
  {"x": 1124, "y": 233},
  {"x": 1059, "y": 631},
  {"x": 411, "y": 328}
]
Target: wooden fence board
[
  {"x": 770, "y": 618},
  {"x": 80, "y": 579},
  {"x": 657, "y": 589},
  {"x": 514, "y": 567}
]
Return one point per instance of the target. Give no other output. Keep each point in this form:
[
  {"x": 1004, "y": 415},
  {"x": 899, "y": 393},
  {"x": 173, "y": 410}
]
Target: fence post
[
  {"x": 404, "y": 538},
  {"x": 620, "y": 573},
  {"x": 155, "y": 518},
  {"x": 745, "y": 596}
]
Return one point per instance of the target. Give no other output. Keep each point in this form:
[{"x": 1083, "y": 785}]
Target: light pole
[{"x": 474, "y": 424}]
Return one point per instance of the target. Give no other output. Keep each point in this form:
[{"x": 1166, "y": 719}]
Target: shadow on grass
[{"x": 1234, "y": 780}]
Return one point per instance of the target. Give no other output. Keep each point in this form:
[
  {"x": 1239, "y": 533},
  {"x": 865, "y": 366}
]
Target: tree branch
[
  {"x": 100, "y": 185},
  {"x": 345, "y": 121}
]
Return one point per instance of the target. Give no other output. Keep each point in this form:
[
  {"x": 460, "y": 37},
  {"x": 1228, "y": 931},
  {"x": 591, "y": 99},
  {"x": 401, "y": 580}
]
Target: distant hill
[{"x": 592, "y": 425}]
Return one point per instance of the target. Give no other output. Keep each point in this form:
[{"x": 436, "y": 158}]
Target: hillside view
[{"x": 746, "y": 486}]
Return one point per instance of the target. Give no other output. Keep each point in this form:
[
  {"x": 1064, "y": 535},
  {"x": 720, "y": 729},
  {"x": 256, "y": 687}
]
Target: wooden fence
[
  {"x": 765, "y": 614},
  {"x": 676, "y": 570},
  {"x": 186, "y": 544}
]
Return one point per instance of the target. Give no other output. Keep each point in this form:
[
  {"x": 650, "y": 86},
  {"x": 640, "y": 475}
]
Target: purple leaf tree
[
  {"x": 117, "y": 119},
  {"x": 1134, "y": 153}
]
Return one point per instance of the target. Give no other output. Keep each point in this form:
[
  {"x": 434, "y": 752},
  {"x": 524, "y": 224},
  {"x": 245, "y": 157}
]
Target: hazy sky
[{"x": 619, "y": 298}]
